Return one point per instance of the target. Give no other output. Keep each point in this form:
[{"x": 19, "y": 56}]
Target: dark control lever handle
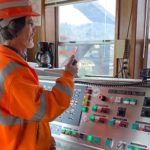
[{"x": 74, "y": 62}]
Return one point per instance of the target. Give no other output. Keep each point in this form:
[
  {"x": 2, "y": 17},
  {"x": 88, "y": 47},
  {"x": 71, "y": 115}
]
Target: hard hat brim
[
  {"x": 34, "y": 14},
  {"x": 18, "y": 11}
]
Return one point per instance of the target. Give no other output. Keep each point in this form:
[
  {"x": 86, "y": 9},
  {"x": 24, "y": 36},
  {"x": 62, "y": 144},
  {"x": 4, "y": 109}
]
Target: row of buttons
[
  {"x": 101, "y": 97},
  {"x": 121, "y": 111},
  {"x": 68, "y": 132},
  {"x": 90, "y": 138},
  {"x": 98, "y": 119},
  {"x": 119, "y": 123},
  {"x": 111, "y": 122},
  {"x": 131, "y": 101},
  {"x": 100, "y": 109},
  {"x": 81, "y": 136},
  {"x": 131, "y": 147},
  {"x": 136, "y": 126}
]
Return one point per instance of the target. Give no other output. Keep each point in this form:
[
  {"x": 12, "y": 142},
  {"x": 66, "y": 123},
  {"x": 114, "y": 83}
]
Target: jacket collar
[{"x": 7, "y": 52}]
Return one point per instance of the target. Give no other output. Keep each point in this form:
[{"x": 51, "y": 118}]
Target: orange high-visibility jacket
[{"x": 25, "y": 107}]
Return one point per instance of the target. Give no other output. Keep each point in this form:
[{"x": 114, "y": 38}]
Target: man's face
[{"x": 27, "y": 33}]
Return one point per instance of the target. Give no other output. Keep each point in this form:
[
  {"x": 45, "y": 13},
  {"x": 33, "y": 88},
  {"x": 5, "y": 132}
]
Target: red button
[
  {"x": 117, "y": 124},
  {"x": 105, "y": 109},
  {"x": 141, "y": 129},
  {"x": 102, "y": 120},
  {"x": 96, "y": 120},
  {"x": 124, "y": 123},
  {"x": 88, "y": 91},
  {"x": 99, "y": 110},
  {"x": 101, "y": 97},
  {"x": 73, "y": 135}
]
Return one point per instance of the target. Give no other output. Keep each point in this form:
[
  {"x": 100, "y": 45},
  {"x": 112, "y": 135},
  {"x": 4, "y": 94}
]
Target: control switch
[
  {"x": 102, "y": 97},
  {"x": 146, "y": 102},
  {"x": 121, "y": 112},
  {"x": 145, "y": 112}
]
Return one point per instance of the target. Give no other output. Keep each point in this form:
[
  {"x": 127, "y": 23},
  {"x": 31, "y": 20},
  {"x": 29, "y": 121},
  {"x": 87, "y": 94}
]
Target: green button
[
  {"x": 94, "y": 108},
  {"x": 126, "y": 99},
  {"x": 96, "y": 139},
  {"x": 133, "y": 100},
  {"x": 63, "y": 130},
  {"x": 112, "y": 122},
  {"x": 74, "y": 133},
  {"x": 92, "y": 118},
  {"x": 89, "y": 138},
  {"x": 108, "y": 142},
  {"x": 137, "y": 148},
  {"x": 135, "y": 126},
  {"x": 67, "y": 131},
  {"x": 84, "y": 109},
  {"x": 130, "y": 147}
]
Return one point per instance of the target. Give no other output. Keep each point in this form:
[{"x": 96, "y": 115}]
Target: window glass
[
  {"x": 93, "y": 59},
  {"x": 88, "y": 27},
  {"x": 90, "y": 21}
]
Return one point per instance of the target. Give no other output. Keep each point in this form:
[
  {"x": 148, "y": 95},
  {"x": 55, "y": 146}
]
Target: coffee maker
[{"x": 45, "y": 55}]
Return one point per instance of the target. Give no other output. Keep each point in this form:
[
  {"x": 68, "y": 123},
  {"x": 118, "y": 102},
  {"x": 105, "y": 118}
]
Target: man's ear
[{"x": 11, "y": 24}]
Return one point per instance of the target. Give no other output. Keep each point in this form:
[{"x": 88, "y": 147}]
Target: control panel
[{"x": 106, "y": 115}]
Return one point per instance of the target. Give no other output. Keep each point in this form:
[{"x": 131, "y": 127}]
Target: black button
[
  {"x": 146, "y": 101},
  {"x": 121, "y": 112},
  {"x": 145, "y": 112},
  {"x": 81, "y": 136}
]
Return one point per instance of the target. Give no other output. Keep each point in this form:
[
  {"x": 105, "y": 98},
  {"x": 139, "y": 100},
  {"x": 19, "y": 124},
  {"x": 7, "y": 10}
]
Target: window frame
[{"x": 146, "y": 36}]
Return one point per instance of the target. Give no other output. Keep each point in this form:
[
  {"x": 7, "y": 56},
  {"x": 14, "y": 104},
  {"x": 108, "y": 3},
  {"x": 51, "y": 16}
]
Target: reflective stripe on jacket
[{"x": 25, "y": 107}]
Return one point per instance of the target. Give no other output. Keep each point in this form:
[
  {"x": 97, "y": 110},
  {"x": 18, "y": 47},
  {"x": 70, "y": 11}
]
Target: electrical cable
[
  {"x": 129, "y": 20},
  {"x": 120, "y": 66}
]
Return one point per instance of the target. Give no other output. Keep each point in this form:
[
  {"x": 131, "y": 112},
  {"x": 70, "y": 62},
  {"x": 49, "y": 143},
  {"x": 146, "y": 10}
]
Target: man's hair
[{"x": 10, "y": 32}]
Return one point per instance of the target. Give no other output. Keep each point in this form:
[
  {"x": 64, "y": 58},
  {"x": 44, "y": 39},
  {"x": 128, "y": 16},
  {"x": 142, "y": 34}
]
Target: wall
[{"x": 135, "y": 35}]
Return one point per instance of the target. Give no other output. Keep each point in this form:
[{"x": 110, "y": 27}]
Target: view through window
[{"x": 88, "y": 30}]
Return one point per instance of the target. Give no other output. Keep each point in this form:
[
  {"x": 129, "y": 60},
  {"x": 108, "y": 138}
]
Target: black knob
[
  {"x": 74, "y": 62},
  {"x": 102, "y": 97}
]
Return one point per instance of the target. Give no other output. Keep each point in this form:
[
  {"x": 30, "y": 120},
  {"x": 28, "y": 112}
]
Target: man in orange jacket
[{"x": 25, "y": 107}]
